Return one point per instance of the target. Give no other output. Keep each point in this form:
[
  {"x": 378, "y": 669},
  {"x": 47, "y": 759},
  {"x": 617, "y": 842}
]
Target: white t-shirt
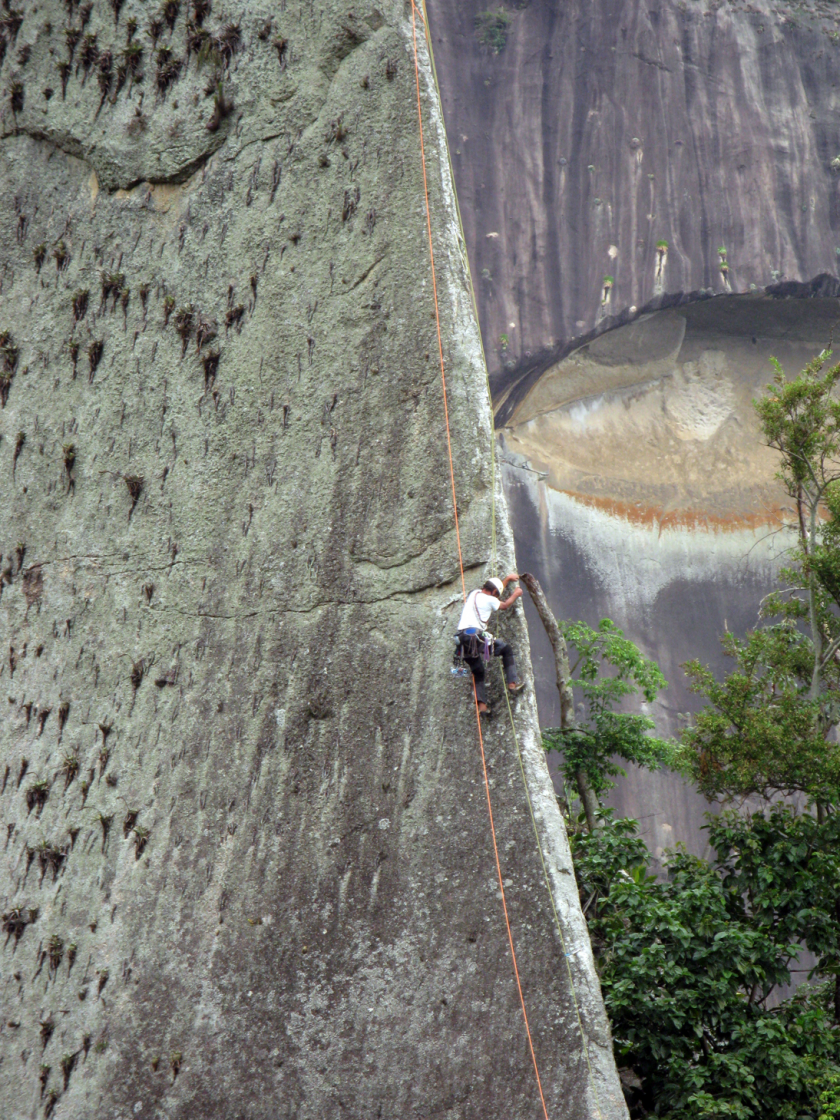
[{"x": 477, "y": 610}]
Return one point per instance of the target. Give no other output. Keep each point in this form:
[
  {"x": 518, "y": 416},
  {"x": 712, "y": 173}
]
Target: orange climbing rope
[{"x": 460, "y": 556}]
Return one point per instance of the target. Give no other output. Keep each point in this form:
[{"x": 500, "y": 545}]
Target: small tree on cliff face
[
  {"x": 769, "y": 726},
  {"x": 608, "y": 669}
]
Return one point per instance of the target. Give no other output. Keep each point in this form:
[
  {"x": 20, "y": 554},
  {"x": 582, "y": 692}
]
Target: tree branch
[{"x": 563, "y": 678}]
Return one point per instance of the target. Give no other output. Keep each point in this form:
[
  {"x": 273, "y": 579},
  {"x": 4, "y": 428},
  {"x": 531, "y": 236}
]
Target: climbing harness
[
  {"x": 474, "y": 643},
  {"x": 456, "y": 670}
]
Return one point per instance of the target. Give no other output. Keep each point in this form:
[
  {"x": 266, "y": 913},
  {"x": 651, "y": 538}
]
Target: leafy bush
[
  {"x": 688, "y": 966},
  {"x": 608, "y": 670}
]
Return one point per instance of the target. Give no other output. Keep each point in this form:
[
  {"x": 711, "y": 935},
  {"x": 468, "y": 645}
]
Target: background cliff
[
  {"x": 650, "y": 198},
  {"x": 614, "y": 151},
  {"x": 246, "y": 868}
]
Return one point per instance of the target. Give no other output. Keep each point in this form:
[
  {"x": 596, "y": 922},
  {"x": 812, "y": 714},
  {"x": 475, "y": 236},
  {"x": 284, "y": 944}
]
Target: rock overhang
[{"x": 654, "y": 418}]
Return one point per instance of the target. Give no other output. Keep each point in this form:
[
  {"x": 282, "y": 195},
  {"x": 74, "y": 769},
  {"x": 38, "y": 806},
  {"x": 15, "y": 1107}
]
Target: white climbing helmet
[{"x": 497, "y": 583}]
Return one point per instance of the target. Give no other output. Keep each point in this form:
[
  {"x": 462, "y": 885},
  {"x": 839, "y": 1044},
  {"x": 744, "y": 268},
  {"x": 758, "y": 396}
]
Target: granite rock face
[
  {"x": 651, "y": 199},
  {"x": 640, "y": 490},
  {"x": 246, "y": 868},
  {"x": 615, "y": 151}
]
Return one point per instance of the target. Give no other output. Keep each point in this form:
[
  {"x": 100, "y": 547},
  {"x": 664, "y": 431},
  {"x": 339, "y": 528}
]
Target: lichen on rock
[{"x": 229, "y": 581}]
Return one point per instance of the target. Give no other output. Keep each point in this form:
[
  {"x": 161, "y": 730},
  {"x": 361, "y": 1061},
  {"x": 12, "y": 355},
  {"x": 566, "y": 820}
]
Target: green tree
[
  {"x": 608, "y": 670},
  {"x": 830, "y": 1096},
  {"x": 690, "y": 967},
  {"x": 769, "y": 726}
]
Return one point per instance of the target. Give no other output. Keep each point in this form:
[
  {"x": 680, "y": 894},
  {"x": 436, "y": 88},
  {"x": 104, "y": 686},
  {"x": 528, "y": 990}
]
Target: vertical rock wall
[
  {"x": 651, "y": 204},
  {"x": 246, "y": 869},
  {"x": 616, "y": 151}
]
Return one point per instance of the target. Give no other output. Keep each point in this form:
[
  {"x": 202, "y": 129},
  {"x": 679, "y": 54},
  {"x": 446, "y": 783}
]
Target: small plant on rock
[
  {"x": 61, "y": 256},
  {"x": 94, "y": 356},
  {"x": 168, "y": 70},
  {"x": 69, "y": 767},
  {"x": 112, "y": 284},
  {"x": 169, "y": 13},
  {"x": 141, "y": 838},
  {"x": 104, "y": 72},
  {"x": 71, "y": 38},
  {"x": 105, "y": 825},
  {"x": 36, "y": 796},
  {"x": 68, "y": 1062},
  {"x": 211, "y": 365},
  {"x": 80, "y": 304},
  {"x": 133, "y": 58},
  {"x": 50, "y": 858},
  {"x": 491, "y": 27},
  {"x": 134, "y": 485},
  {"x": 205, "y": 331},
  {"x": 184, "y": 320},
  {"x": 55, "y": 950},
  {"x": 89, "y": 53},
  {"x": 69, "y": 450}
]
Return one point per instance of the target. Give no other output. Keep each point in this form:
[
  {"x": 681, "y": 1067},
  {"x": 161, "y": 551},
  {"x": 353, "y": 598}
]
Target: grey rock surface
[
  {"x": 610, "y": 151},
  {"x": 246, "y": 867},
  {"x": 650, "y": 202},
  {"x": 640, "y": 490}
]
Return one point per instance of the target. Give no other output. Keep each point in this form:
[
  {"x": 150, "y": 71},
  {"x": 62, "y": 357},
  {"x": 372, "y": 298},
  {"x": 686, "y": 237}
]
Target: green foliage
[
  {"x": 491, "y": 27},
  {"x": 694, "y": 968},
  {"x": 801, "y": 420},
  {"x": 830, "y": 1097},
  {"x": 769, "y": 726},
  {"x": 761, "y": 732},
  {"x": 609, "y": 670},
  {"x": 687, "y": 965}
]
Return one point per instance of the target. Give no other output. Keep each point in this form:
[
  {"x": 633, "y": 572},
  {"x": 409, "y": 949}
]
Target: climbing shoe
[{"x": 517, "y": 686}]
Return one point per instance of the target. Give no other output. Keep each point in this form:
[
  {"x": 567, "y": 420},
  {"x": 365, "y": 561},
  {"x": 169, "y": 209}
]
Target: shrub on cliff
[{"x": 491, "y": 27}]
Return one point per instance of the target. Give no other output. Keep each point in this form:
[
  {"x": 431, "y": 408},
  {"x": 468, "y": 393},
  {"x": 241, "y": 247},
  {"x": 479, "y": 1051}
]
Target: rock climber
[{"x": 477, "y": 645}]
